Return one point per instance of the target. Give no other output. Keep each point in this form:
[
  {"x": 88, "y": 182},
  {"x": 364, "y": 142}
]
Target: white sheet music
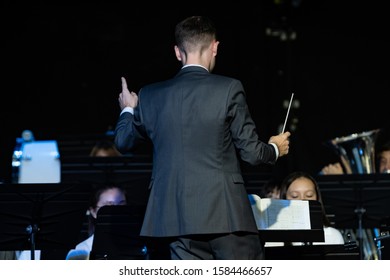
[{"x": 280, "y": 213}]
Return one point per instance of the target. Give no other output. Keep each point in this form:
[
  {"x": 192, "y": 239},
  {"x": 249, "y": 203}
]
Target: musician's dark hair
[{"x": 301, "y": 174}]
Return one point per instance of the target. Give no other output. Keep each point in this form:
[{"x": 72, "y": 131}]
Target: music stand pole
[
  {"x": 379, "y": 249},
  {"x": 35, "y": 216},
  {"x": 32, "y": 230},
  {"x": 360, "y": 212}
]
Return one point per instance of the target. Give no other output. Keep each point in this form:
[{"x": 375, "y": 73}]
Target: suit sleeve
[
  {"x": 128, "y": 132},
  {"x": 243, "y": 129},
  {"x": 124, "y": 135}
]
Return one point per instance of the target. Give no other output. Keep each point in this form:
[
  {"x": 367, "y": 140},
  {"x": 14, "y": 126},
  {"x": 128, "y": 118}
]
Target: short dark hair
[{"x": 195, "y": 32}]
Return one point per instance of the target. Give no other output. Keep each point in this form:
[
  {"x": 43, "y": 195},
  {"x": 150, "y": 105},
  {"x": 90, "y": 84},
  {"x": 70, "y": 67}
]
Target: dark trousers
[{"x": 232, "y": 246}]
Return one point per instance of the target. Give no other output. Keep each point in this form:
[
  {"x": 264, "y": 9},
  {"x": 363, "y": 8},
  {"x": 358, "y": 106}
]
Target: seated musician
[
  {"x": 382, "y": 159},
  {"x": 106, "y": 195},
  {"x": 302, "y": 186}
]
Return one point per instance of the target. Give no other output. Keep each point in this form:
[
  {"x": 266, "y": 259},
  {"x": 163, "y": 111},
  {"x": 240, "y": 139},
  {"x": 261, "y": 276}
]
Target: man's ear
[
  {"x": 178, "y": 54},
  {"x": 215, "y": 48}
]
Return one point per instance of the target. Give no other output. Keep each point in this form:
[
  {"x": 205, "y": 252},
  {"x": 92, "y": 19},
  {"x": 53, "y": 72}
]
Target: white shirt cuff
[
  {"x": 276, "y": 150},
  {"x": 128, "y": 109}
]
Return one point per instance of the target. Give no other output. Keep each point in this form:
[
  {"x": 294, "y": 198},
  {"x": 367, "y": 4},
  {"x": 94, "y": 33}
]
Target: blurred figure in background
[
  {"x": 104, "y": 148},
  {"x": 271, "y": 189},
  {"x": 383, "y": 158}
]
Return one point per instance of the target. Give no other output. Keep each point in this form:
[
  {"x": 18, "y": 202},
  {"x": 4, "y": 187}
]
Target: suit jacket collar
[{"x": 193, "y": 69}]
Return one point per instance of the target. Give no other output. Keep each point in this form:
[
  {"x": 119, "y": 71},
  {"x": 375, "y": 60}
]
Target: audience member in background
[
  {"x": 383, "y": 158},
  {"x": 107, "y": 195},
  {"x": 104, "y": 148},
  {"x": 271, "y": 189},
  {"x": 302, "y": 186}
]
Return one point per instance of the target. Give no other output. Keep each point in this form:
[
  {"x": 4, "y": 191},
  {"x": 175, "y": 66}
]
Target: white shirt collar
[{"x": 187, "y": 65}]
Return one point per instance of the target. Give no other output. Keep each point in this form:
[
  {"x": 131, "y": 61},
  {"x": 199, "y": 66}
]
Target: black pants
[{"x": 232, "y": 246}]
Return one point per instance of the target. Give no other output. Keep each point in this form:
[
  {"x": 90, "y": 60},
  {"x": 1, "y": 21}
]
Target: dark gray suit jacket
[{"x": 199, "y": 124}]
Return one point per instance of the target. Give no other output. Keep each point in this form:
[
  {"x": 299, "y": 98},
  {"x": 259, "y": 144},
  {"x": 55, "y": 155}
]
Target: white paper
[{"x": 277, "y": 214}]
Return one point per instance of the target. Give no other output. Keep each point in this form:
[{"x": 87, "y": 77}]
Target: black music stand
[
  {"x": 316, "y": 252},
  {"x": 116, "y": 235},
  {"x": 42, "y": 216},
  {"x": 356, "y": 200}
]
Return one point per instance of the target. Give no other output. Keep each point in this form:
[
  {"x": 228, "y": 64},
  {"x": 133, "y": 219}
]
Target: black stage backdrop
[{"x": 62, "y": 65}]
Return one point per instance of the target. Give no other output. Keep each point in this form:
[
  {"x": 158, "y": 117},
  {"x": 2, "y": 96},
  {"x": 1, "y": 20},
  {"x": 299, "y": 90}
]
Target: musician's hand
[
  {"x": 127, "y": 98},
  {"x": 333, "y": 169}
]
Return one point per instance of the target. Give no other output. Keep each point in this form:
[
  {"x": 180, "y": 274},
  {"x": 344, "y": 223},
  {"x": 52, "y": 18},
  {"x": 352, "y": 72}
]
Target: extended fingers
[{"x": 124, "y": 84}]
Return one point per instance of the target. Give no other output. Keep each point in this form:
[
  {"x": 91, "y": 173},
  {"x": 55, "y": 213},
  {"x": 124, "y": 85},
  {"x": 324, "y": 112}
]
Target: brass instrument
[{"x": 357, "y": 151}]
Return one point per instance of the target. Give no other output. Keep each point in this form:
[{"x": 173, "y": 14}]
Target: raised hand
[{"x": 127, "y": 98}]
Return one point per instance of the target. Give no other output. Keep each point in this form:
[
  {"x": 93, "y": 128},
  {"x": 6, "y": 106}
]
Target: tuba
[{"x": 356, "y": 151}]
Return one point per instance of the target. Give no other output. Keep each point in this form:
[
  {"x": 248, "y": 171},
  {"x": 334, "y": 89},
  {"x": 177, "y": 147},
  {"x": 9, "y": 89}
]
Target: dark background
[{"x": 62, "y": 65}]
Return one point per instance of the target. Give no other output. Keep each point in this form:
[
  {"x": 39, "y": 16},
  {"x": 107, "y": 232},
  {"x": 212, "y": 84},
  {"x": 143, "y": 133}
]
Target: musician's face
[
  {"x": 275, "y": 193},
  {"x": 112, "y": 196},
  {"x": 303, "y": 189},
  {"x": 384, "y": 162}
]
